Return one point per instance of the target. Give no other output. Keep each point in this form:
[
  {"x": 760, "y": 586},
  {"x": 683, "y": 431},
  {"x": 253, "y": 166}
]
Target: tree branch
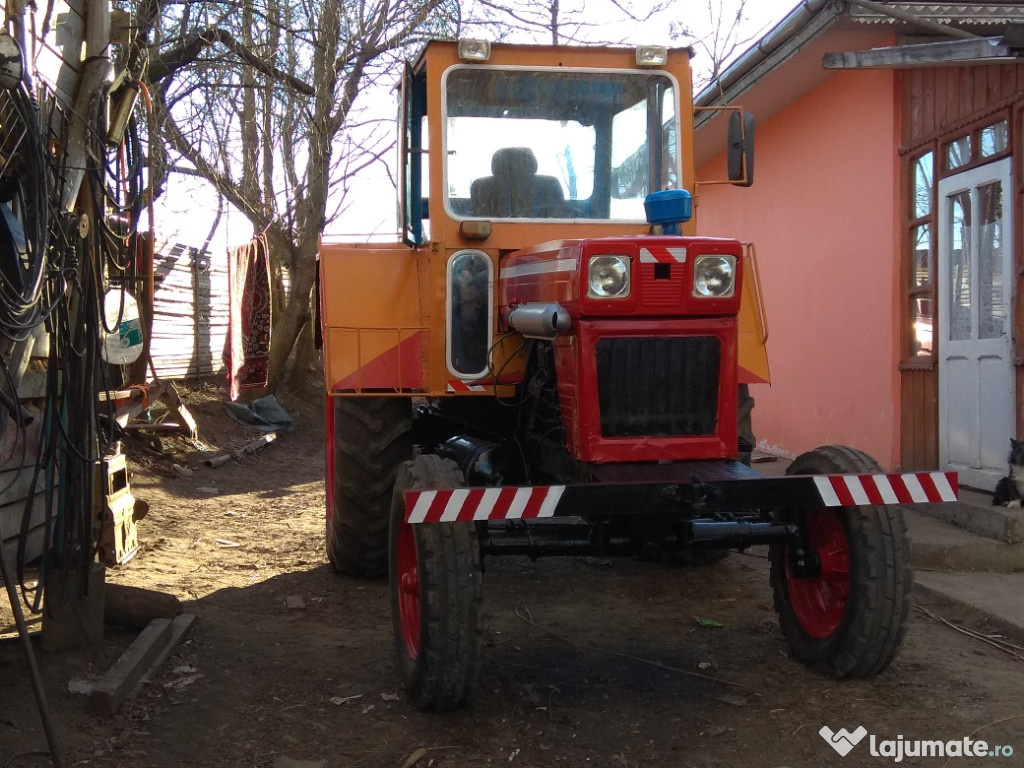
[{"x": 175, "y": 59}]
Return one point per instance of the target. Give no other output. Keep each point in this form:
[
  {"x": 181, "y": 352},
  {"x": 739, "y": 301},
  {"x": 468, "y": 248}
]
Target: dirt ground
[{"x": 587, "y": 662}]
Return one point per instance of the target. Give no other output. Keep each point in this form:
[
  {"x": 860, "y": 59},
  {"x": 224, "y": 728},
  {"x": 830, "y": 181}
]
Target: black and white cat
[{"x": 1010, "y": 489}]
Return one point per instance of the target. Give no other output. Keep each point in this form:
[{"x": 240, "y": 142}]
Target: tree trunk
[
  {"x": 298, "y": 377},
  {"x": 296, "y": 315}
]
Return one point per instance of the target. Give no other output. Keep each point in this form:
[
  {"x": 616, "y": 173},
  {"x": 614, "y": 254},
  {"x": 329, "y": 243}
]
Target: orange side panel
[
  {"x": 375, "y": 333},
  {"x": 376, "y": 359},
  {"x": 753, "y": 326}
]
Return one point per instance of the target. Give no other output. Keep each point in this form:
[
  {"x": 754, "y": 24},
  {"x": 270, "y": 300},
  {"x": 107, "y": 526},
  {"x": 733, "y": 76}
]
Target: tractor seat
[{"x": 514, "y": 190}]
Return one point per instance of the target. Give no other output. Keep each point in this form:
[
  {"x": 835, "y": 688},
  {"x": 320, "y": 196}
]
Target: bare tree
[
  {"x": 719, "y": 31},
  {"x": 255, "y": 95},
  {"x": 583, "y": 22}
]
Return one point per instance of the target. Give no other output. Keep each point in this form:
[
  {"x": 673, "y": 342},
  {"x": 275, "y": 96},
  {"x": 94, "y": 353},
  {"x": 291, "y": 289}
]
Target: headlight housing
[
  {"x": 608, "y": 277},
  {"x": 714, "y": 276}
]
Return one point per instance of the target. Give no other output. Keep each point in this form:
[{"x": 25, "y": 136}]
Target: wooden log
[
  {"x": 163, "y": 426},
  {"x": 136, "y": 607}
]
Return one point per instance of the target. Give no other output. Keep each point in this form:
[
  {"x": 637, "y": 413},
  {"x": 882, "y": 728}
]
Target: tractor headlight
[
  {"x": 714, "y": 276},
  {"x": 608, "y": 277}
]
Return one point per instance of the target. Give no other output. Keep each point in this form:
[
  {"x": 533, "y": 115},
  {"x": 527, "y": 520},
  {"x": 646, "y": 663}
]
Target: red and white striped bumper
[
  {"x": 508, "y": 503},
  {"x": 525, "y": 502},
  {"x": 910, "y": 488}
]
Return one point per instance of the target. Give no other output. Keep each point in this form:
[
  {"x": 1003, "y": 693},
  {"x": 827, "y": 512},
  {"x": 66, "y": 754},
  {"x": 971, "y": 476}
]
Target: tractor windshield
[{"x": 557, "y": 142}]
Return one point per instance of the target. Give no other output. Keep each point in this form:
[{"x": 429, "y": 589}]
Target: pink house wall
[{"x": 823, "y": 214}]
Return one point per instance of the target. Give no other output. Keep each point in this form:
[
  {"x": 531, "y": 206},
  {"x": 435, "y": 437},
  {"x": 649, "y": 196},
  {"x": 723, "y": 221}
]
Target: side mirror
[{"x": 741, "y": 148}]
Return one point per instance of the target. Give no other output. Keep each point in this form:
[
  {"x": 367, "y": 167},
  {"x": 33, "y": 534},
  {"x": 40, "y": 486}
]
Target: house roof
[
  {"x": 961, "y": 14},
  {"x": 787, "y": 62}
]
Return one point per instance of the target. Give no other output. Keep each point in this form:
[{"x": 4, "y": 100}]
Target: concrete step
[
  {"x": 974, "y": 512},
  {"x": 986, "y": 597},
  {"x": 939, "y": 546}
]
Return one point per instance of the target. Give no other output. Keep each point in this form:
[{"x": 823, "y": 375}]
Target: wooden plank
[
  {"x": 993, "y": 83},
  {"x": 191, "y": 311},
  {"x": 16, "y": 484},
  {"x": 927, "y": 85},
  {"x": 12, "y": 516},
  {"x": 980, "y": 88},
  {"x": 909, "y": 436},
  {"x": 939, "y": 85},
  {"x": 952, "y": 97},
  {"x": 35, "y": 544},
  {"x": 12, "y": 513},
  {"x": 1011, "y": 79},
  {"x": 171, "y": 399},
  {"x": 965, "y": 83},
  {"x": 912, "y": 97},
  {"x": 919, "y": 420},
  {"x": 919, "y": 54},
  {"x": 120, "y": 680}
]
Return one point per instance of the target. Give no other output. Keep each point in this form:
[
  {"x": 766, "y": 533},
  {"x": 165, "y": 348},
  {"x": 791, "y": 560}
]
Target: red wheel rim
[
  {"x": 408, "y": 587},
  {"x": 819, "y": 602}
]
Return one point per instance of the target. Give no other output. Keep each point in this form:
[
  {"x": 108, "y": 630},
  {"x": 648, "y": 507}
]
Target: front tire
[
  {"x": 367, "y": 439},
  {"x": 436, "y": 593},
  {"x": 849, "y": 619}
]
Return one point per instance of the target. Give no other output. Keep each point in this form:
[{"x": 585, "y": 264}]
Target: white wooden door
[{"x": 976, "y": 385}]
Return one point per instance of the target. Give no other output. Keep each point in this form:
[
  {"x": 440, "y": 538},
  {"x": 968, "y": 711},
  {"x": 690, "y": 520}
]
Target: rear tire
[
  {"x": 436, "y": 593},
  {"x": 745, "y": 425},
  {"x": 849, "y": 620},
  {"x": 367, "y": 439}
]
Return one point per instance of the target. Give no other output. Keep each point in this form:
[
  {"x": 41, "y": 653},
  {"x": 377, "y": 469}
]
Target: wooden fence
[{"x": 190, "y": 304}]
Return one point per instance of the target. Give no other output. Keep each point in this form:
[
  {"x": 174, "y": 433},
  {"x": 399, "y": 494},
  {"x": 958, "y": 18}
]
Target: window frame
[
  {"x": 913, "y": 291},
  {"x": 974, "y": 131},
  {"x": 600, "y": 201}
]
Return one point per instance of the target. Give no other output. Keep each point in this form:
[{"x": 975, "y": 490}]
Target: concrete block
[
  {"x": 73, "y": 619},
  {"x": 942, "y": 547},
  {"x": 121, "y": 679},
  {"x": 974, "y": 512}
]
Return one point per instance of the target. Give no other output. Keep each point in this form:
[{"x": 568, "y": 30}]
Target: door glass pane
[
  {"x": 960, "y": 267},
  {"x": 993, "y": 139},
  {"x": 990, "y": 261}
]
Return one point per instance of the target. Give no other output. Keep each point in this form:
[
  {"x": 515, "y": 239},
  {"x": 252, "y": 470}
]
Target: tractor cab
[{"x": 514, "y": 140}]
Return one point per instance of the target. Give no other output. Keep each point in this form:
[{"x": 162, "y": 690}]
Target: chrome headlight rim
[
  {"x": 608, "y": 276},
  {"x": 714, "y": 276}
]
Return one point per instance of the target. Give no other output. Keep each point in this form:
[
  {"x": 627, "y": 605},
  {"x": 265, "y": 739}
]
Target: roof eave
[{"x": 803, "y": 23}]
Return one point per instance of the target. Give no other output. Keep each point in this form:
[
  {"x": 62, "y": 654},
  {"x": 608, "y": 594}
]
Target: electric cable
[{"x": 22, "y": 282}]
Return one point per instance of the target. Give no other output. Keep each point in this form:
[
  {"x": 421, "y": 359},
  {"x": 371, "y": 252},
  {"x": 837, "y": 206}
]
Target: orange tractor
[{"x": 553, "y": 362}]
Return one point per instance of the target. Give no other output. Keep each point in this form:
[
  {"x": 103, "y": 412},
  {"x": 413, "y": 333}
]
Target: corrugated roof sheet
[{"x": 993, "y": 14}]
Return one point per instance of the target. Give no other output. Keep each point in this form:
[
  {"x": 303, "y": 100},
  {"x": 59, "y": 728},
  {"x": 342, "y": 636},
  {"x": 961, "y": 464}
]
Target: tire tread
[
  {"x": 882, "y": 580},
  {"x": 372, "y": 437},
  {"x": 445, "y": 672}
]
